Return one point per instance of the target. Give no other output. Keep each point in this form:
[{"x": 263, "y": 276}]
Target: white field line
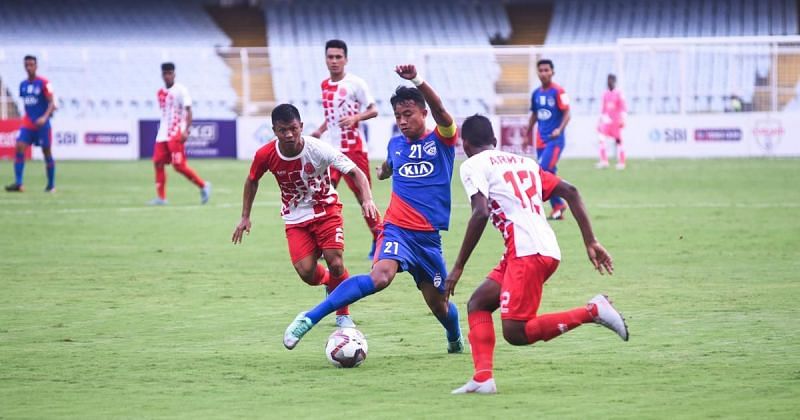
[{"x": 619, "y": 206}]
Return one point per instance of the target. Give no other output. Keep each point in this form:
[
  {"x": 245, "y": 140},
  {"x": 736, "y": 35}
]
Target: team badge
[
  {"x": 430, "y": 148},
  {"x": 551, "y": 101},
  {"x": 308, "y": 168},
  {"x": 437, "y": 280}
]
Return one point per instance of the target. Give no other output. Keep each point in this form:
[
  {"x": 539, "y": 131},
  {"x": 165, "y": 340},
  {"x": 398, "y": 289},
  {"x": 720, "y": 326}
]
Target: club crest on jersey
[
  {"x": 430, "y": 148},
  {"x": 551, "y": 102},
  {"x": 416, "y": 169},
  {"x": 308, "y": 168},
  {"x": 543, "y": 114}
]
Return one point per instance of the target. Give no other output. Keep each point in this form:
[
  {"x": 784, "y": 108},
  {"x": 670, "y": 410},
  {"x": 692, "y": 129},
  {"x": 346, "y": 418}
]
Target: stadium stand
[
  {"x": 652, "y": 73},
  {"x": 381, "y": 35},
  {"x": 84, "y": 61}
]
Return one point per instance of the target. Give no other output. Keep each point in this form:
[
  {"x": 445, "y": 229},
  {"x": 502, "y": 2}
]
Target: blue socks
[
  {"x": 450, "y": 323},
  {"x": 19, "y": 166},
  {"x": 351, "y": 290},
  {"x": 50, "y": 167}
]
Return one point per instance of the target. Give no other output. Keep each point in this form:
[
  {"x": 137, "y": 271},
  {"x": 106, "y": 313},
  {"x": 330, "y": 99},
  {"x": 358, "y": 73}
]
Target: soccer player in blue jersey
[
  {"x": 37, "y": 95},
  {"x": 420, "y": 163},
  {"x": 550, "y": 108}
]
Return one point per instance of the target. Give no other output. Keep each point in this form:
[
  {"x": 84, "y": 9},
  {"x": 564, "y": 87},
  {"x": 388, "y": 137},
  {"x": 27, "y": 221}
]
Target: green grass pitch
[{"x": 110, "y": 308}]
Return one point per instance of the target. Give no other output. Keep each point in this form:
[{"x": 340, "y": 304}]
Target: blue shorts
[
  {"x": 419, "y": 253},
  {"x": 42, "y": 137},
  {"x": 550, "y": 154}
]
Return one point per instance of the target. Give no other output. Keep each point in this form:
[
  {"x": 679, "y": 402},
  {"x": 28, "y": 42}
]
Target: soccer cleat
[
  {"x": 620, "y": 166},
  {"x": 157, "y": 202},
  {"x": 205, "y": 193},
  {"x": 601, "y": 165},
  {"x": 50, "y": 190},
  {"x": 14, "y": 187},
  {"x": 345, "y": 321},
  {"x": 609, "y": 317},
  {"x": 558, "y": 212},
  {"x": 296, "y": 330},
  {"x": 471, "y": 387},
  {"x": 371, "y": 255},
  {"x": 456, "y": 346}
]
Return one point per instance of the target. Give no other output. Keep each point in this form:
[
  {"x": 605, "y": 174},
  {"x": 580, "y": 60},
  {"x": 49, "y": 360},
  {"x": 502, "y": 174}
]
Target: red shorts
[
  {"x": 173, "y": 151},
  {"x": 521, "y": 281},
  {"x": 362, "y": 162},
  {"x": 311, "y": 237}
]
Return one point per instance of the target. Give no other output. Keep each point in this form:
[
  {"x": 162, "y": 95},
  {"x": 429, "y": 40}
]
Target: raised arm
[
  {"x": 440, "y": 115},
  {"x": 598, "y": 255},
  {"x": 248, "y": 196}
]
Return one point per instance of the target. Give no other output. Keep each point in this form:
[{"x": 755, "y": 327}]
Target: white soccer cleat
[
  {"x": 296, "y": 330},
  {"x": 345, "y": 321},
  {"x": 601, "y": 165},
  {"x": 620, "y": 166},
  {"x": 609, "y": 317},
  {"x": 471, "y": 387}
]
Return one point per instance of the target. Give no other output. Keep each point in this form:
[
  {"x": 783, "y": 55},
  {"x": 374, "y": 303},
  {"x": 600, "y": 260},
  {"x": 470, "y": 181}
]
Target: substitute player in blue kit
[
  {"x": 37, "y": 95},
  {"x": 420, "y": 163},
  {"x": 550, "y": 108}
]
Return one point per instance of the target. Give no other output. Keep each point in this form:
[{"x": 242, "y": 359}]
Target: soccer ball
[{"x": 346, "y": 348}]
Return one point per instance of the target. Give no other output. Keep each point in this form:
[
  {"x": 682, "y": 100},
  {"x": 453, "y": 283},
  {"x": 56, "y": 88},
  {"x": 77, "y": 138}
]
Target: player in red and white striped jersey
[
  {"x": 173, "y": 131},
  {"x": 511, "y": 189},
  {"x": 310, "y": 206},
  {"x": 347, "y": 101}
]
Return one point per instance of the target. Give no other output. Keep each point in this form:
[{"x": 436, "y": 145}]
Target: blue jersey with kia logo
[
  {"x": 421, "y": 174},
  {"x": 549, "y": 105}
]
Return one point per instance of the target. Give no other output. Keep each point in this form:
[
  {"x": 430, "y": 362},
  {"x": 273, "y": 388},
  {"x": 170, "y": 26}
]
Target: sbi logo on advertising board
[{"x": 668, "y": 135}]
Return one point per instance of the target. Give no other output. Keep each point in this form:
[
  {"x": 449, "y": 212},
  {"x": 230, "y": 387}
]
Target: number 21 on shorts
[{"x": 391, "y": 247}]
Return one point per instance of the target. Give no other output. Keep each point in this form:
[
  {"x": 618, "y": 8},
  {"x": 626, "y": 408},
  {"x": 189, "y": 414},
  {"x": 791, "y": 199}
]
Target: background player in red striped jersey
[
  {"x": 510, "y": 189},
  {"x": 173, "y": 131},
  {"x": 310, "y": 205},
  {"x": 36, "y": 93},
  {"x": 347, "y": 101}
]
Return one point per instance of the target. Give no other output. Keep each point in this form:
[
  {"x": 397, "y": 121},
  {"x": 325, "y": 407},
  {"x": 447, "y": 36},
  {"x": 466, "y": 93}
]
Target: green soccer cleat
[
  {"x": 456, "y": 346},
  {"x": 296, "y": 330}
]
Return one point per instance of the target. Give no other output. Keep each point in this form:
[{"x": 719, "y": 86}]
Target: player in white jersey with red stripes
[
  {"x": 347, "y": 101},
  {"x": 511, "y": 190},
  {"x": 310, "y": 206},
  {"x": 173, "y": 131}
]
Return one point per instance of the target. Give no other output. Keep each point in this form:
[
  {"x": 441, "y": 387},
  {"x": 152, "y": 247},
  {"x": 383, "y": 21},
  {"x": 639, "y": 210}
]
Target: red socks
[
  {"x": 333, "y": 284},
  {"x": 321, "y": 275},
  {"x": 548, "y": 326},
  {"x": 161, "y": 181},
  {"x": 190, "y": 174},
  {"x": 481, "y": 339}
]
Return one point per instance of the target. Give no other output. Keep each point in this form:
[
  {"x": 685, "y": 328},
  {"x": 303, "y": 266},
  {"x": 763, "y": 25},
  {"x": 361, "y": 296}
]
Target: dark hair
[
  {"x": 285, "y": 113},
  {"x": 167, "y": 67},
  {"x": 29, "y": 57},
  {"x": 612, "y": 76},
  {"x": 477, "y": 131},
  {"x": 336, "y": 43},
  {"x": 405, "y": 93},
  {"x": 547, "y": 61}
]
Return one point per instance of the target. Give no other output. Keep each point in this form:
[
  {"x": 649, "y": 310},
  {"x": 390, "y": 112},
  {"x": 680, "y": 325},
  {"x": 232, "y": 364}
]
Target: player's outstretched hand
[
  {"x": 450, "y": 283},
  {"x": 238, "y": 233},
  {"x": 600, "y": 258},
  {"x": 369, "y": 209},
  {"x": 406, "y": 71}
]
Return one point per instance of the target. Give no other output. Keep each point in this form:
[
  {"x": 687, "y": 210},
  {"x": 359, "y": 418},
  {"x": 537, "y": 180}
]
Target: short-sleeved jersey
[
  {"x": 173, "y": 103},
  {"x": 344, "y": 98},
  {"x": 549, "y": 105},
  {"x": 421, "y": 174},
  {"x": 516, "y": 188},
  {"x": 36, "y": 96},
  {"x": 304, "y": 180},
  {"x": 613, "y": 107}
]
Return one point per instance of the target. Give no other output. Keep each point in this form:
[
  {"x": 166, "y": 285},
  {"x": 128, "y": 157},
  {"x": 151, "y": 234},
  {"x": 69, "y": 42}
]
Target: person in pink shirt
[{"x": 612, "y": 119}]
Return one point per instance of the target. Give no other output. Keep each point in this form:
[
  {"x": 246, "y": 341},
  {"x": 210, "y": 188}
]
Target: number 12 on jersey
[{"x": 524, "y": 184}]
